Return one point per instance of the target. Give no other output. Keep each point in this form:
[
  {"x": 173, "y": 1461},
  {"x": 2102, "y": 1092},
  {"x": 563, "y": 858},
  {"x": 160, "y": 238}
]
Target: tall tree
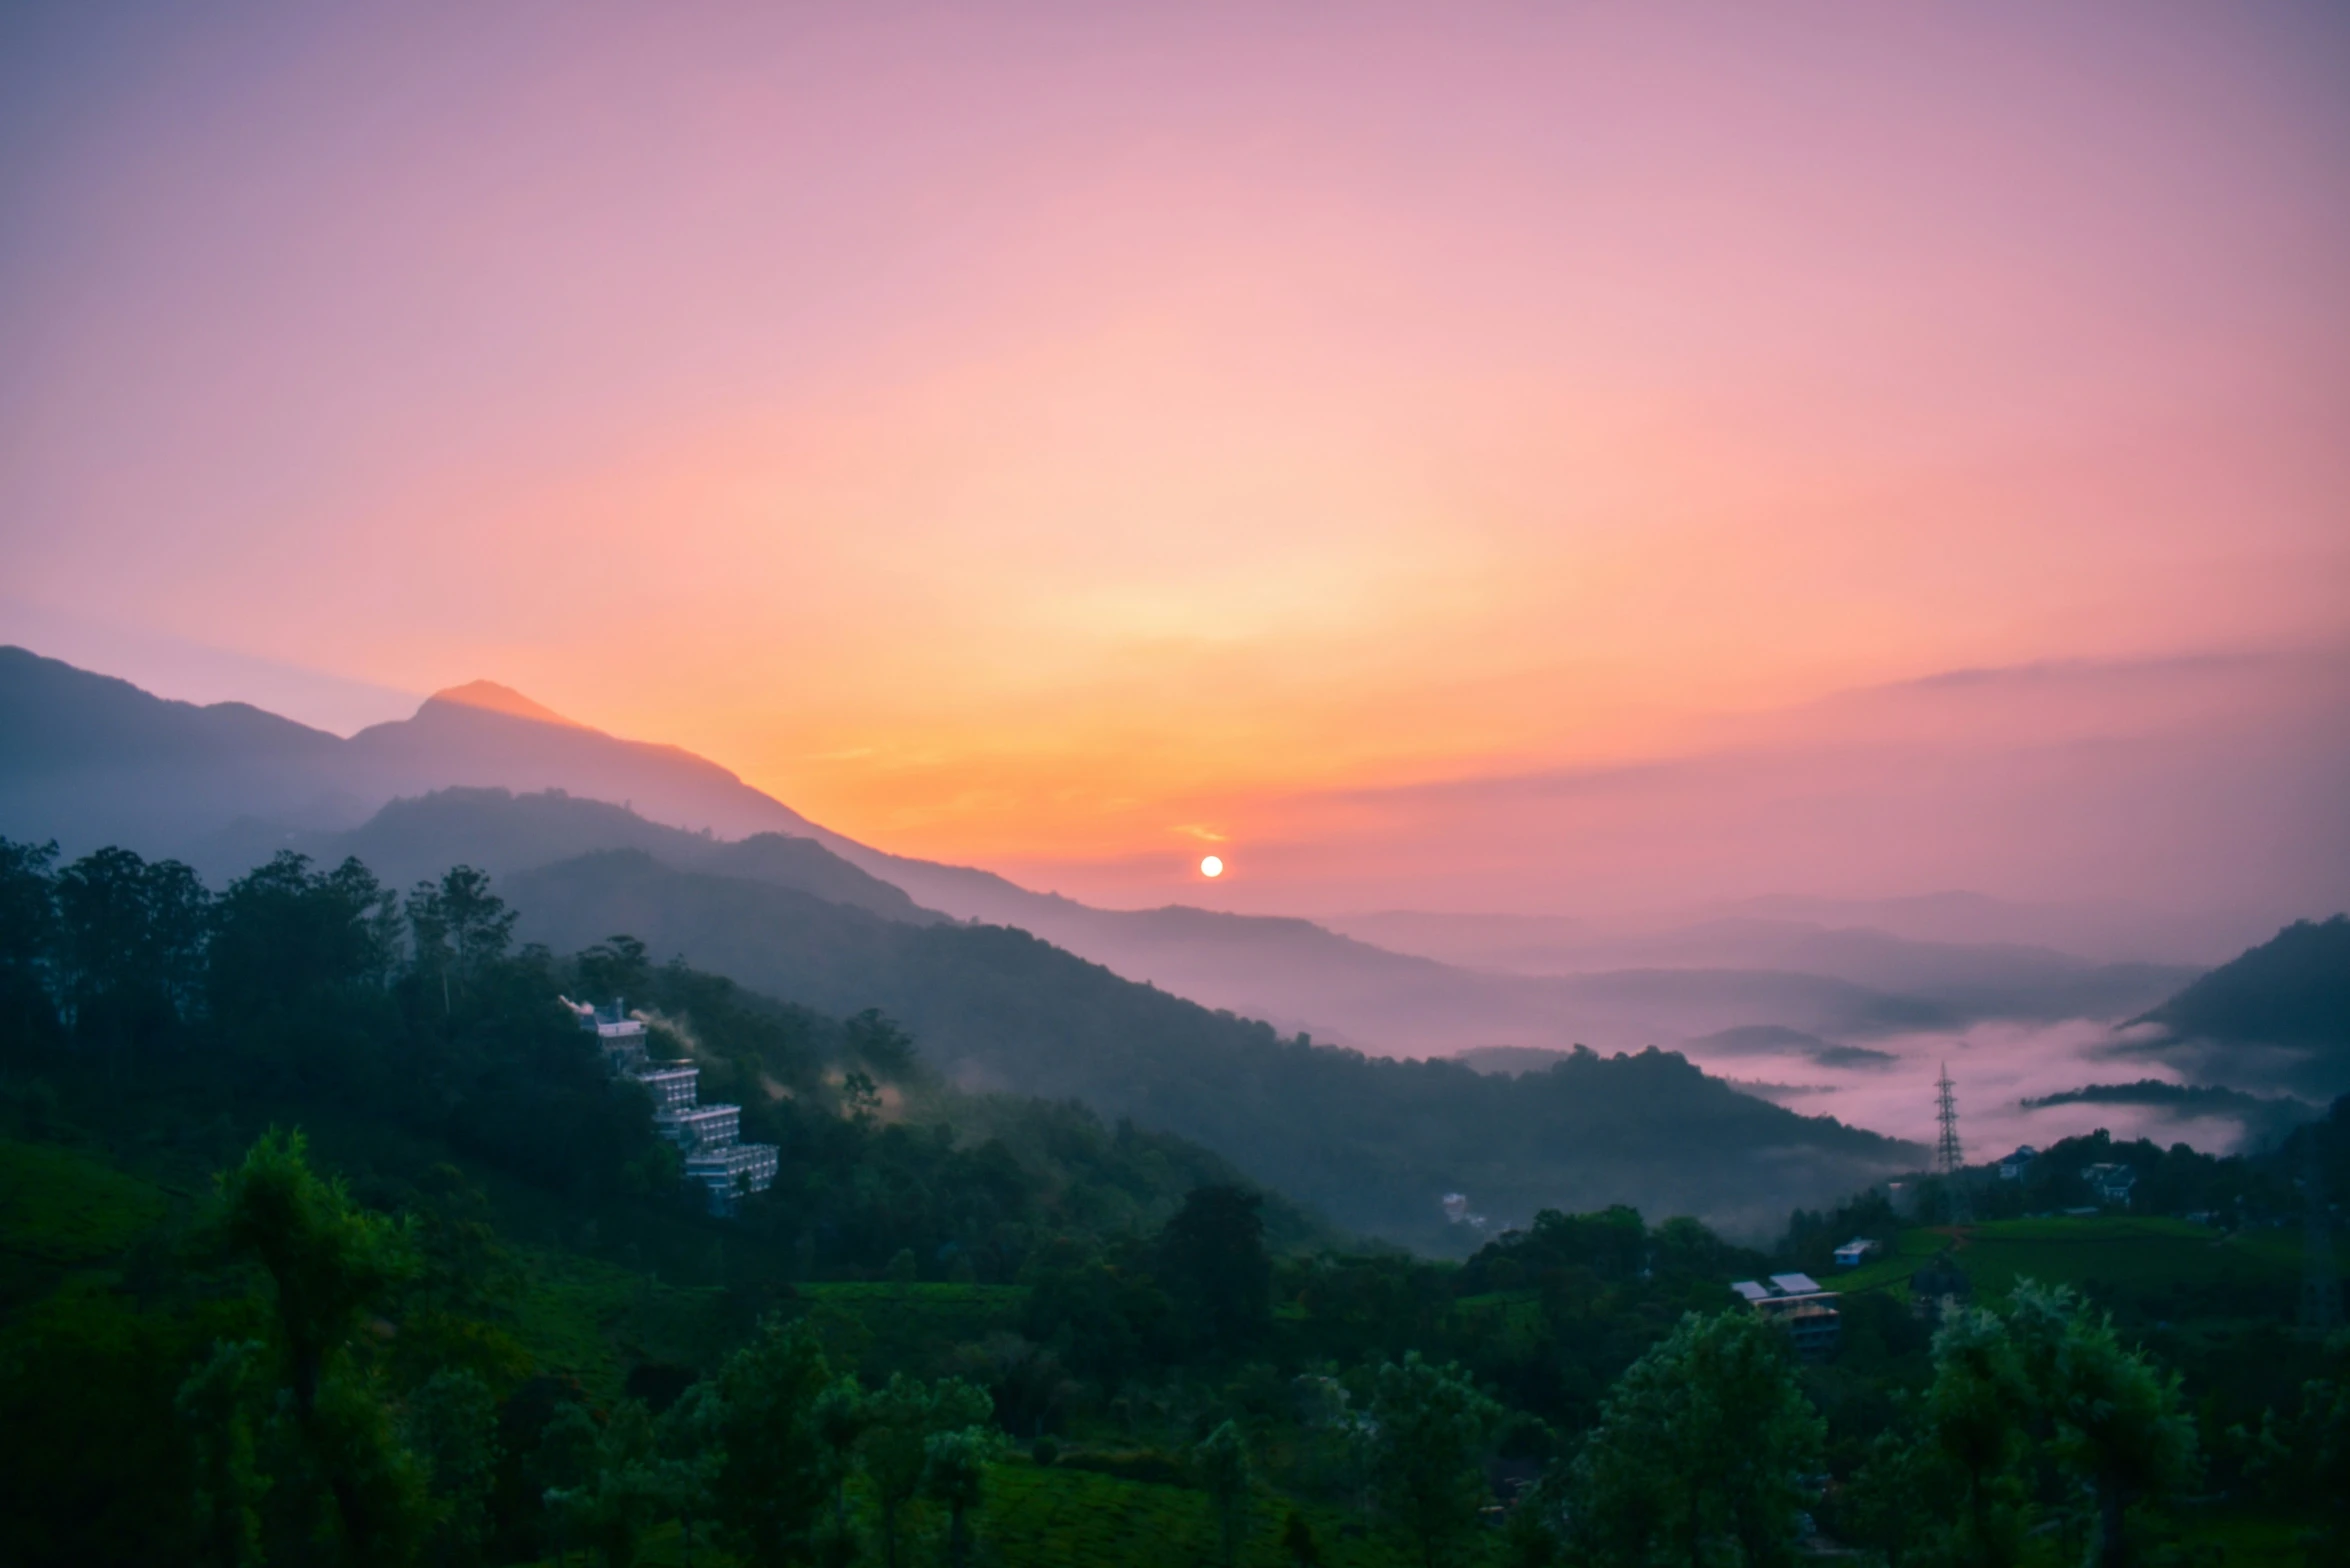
[
  {"x": 133, "y": 946},
  {"x": 902, "y": 1418},
  {"x": 842, "y": 1414},
  {"x": 1699, "y": 1451},
  {"x": 218, "y": 1405},
  {"x": 1976, "y": 1415},
  {"x": 688, "y": 1459},
  {"x": 954, "y": 1471},
  {"x": 290, "y": 945},
  {"x": 1212, "y": 1254},
  {"x": 2120, "y": 1427},
  {"x": 459, "y": 929},
  {"x": 1429, "y": 1433},
  {"x": 29, "y": 938},
  {"x": 1222, "y": 1460},
  {"x": 771, "y": 1484},
  {"x": 451, "y": 1426},
  {"x": 329, "y": 1264}
]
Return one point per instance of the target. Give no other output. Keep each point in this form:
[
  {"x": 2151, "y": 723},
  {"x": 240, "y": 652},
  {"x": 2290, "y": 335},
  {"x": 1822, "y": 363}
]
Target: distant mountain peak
[{"x": 494, "y": 698}]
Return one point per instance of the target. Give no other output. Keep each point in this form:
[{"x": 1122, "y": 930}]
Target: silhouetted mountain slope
[
  {"x": 2277, "y": 1015},
  {"x": 462, "y": 742},
  {"x": 504, "y": 833},
  {"x": 1375, "y": 1144},
  {"x": 91, "y": 761},
  {"x": 2261, "y": 1116}
]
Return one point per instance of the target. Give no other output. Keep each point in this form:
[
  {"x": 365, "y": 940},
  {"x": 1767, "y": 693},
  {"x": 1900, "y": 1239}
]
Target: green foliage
[
  {"x": 900, "y": 1420},
  {"x": 1429, "y": 1434},
  {"x": 474, "y": 1367},
  {"x": 98, "y": 1461},
  {"x": 954, "y": 1473},
  {"x": 1222, "y": 1461},
  {"x": 1213, "y": 1263},
  {"x": 327, "y": 1261},
  {"x": 2301, "y": 1457},
  {"x": 218, "y": 1404},
  {"x": 1364, "y": 1141},
  {"x": 288, "y": 942},
  {"x": 772, "y": 1481},
  {"x": 131, "y": 942},
  {"x": 350, "y": 1492},
  {"x": 1699, "y": 1452},
  {"x": 1062, "y": 1518},
  {"x": 2120, "y": 1426},
  {"x": 450, "y": 1423},
  {"x": 1298, "y": 1543},
  {"x": 29, "y": 938},
  {"x": 2046, "y": 1384},
  {"x": 62, "y": 1207}
]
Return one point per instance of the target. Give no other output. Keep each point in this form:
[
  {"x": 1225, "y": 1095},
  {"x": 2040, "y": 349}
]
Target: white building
[
  {"x": 1856, "y": 1252},
  {"x": 2111, "y": 1183},
  {"x": 708, "y": 1134},
  {"x": 1797, "y": 1303}
]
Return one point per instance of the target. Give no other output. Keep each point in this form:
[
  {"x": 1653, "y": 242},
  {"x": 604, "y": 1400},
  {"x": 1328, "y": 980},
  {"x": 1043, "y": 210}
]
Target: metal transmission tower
[
  {"x": 2321, "y": 1286},
  {"x": 1949, "y": 1158}
]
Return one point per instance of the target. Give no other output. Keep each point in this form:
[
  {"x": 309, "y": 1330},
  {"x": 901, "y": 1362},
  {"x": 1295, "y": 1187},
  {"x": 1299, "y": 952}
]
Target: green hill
[
  {"x": 1374, "y": 1144},
  {"x": 2275, "y": 1016}
]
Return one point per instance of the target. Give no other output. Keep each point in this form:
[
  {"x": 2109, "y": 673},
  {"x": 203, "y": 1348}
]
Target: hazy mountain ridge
[
  {"x": 504, "y": 833},
  {"x": 2277, "y": 1016},
  {"x": 180, "y": 780},
  {"x": 87, "y": 758},
  {"x": 2262, "y": 1116},
  {"x": 1373, "y": 1143}
]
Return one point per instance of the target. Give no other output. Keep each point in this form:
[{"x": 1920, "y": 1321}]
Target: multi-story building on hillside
[
  {"x": 1797, "y": 1303},
  {"x": 708, "y": 1135}
]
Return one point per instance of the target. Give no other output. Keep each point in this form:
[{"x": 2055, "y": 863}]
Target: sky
[{"x": 1516, "y": 459}]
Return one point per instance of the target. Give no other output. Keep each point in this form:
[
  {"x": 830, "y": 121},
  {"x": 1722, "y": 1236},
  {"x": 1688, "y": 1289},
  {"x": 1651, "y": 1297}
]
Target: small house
[
  {"x": 1857, "y": 1251},
  {"x": 2111, "y": 1183}
]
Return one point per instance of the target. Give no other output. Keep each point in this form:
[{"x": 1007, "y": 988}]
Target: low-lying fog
[{"x": 1994, "y": 1068}]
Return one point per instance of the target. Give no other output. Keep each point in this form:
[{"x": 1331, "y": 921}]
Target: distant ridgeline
[
  {"x": 1376, "y": 1144},
  {"x": 2275, "y": 1017}
]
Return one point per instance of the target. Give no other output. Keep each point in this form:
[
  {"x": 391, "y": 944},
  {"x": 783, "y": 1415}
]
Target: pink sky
[{"x": 1064, "y": 438}]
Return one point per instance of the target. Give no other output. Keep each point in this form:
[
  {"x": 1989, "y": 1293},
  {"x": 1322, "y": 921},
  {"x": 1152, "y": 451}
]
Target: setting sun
[{"x": 1211, "y": 866}]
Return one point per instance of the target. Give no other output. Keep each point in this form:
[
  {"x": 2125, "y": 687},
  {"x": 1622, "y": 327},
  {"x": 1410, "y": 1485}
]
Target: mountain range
[
  {"x": 86, "y": 751},
  {"x": 1193, "y": 1020}
]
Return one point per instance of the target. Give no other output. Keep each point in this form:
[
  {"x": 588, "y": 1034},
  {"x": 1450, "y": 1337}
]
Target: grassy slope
[
  {"x": 61, "y": 1206},
  {"x": 2123, "y": 1250}
]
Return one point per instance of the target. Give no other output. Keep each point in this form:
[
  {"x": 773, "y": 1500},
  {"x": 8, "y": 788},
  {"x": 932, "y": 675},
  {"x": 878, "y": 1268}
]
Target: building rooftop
[{"x": 1782, "y": 1287}]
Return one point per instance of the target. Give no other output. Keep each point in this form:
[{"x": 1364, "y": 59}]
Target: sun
[{"x": 1211, "y": 866}]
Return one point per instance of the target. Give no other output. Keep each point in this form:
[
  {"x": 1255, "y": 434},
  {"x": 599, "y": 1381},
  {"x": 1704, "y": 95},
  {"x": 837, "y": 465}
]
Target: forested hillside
[
  {"x": 326, "y": 1237},
  {"x": 1376, "y": 1144},
  {"x": 2277, "y": 1014}
]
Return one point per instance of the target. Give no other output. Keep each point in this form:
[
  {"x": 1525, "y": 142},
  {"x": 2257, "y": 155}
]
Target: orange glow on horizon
[{"x": 1016, "y": 440}]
